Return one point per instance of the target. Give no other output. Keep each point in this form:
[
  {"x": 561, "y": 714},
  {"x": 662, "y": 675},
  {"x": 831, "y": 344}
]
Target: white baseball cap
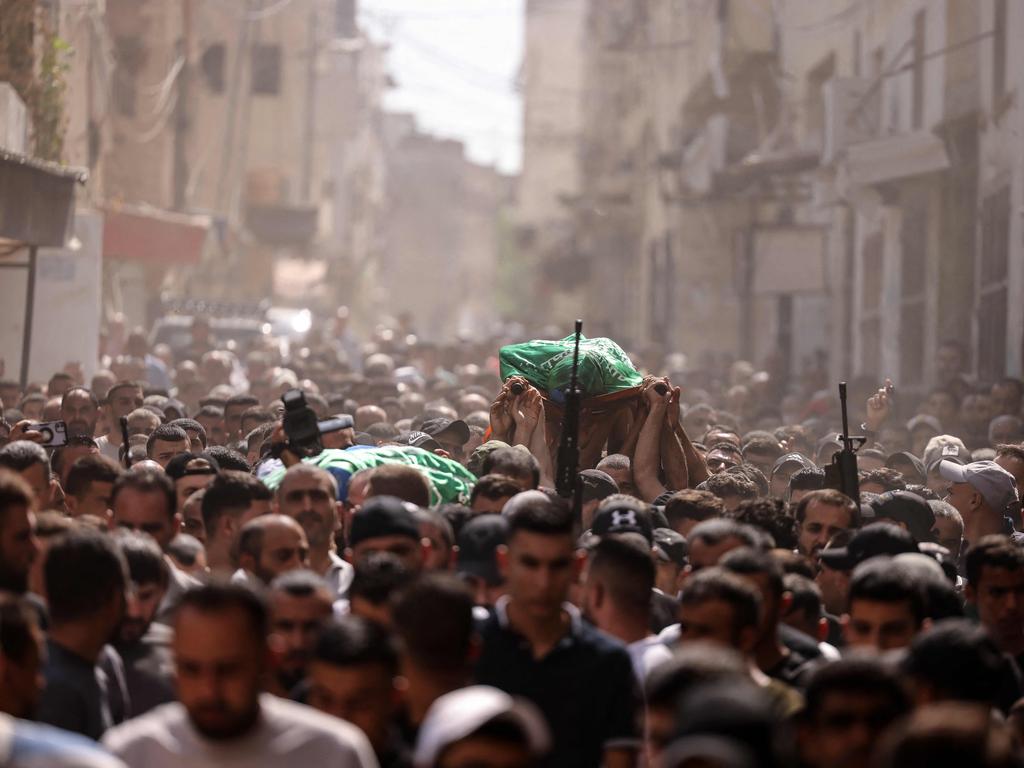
[
  {"x": 994, "y": 483},
  {"x": 460, "y": 714}
]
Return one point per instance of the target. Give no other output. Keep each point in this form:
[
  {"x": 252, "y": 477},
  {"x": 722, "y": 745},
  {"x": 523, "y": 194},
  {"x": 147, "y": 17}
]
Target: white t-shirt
[
  {"x": 286, "y": 734},
  {"x": 646, "y": 654},
  {"x": 109, "y": 449}
]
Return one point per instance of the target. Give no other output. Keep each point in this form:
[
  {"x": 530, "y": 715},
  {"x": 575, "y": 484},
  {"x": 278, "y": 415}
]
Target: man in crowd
[
  {"x": 268, "y": 546},
  {"x": 221, "y": 716},
  {"x": 309, "y": 495},
  {"x": 820, "y": 515},
  {"x": 536, "y": 645},
  {"x": 300, "y": 602}
]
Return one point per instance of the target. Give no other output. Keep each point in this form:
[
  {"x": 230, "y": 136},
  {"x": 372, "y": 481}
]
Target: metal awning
[
  {"x": 283, "y": 225},
  {"x": 895, "y": 157},
  {"x": 154, "y": 236},
  {"x": 37, "y": 199}
]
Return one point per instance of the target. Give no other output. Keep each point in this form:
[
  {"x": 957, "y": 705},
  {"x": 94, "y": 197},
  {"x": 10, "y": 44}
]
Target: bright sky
[{"x": 455, "y": 63}]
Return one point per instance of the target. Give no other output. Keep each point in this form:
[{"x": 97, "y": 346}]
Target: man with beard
[
  {"x": 143, "y": 644},
  {"x": 309, "y": 496},
  {"x": 86, "y": 578},
  {"x": 80, "y": 410},
  {"x": 269, "y": 546},
  {"x": 122, "y": 398},
  {"x": 300, "y": 603},
  {"x": 18, "y": 543},
  {"x": 221, "y": 717}
]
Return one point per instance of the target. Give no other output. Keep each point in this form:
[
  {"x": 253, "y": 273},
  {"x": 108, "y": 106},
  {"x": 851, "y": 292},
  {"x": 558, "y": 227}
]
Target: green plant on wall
[
  {"x": 49, "y": 120},
  {"x": 37, "y": 69}
]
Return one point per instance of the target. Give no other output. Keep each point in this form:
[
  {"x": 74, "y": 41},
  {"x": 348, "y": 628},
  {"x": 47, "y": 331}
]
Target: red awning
[{"x": 153, "y": 236}]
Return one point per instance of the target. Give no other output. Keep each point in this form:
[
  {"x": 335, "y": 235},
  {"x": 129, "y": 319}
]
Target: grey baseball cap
[{"x": 994, "y": 483}]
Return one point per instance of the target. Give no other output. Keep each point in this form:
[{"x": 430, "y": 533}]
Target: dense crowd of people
[{"x": 185, "y": 583}]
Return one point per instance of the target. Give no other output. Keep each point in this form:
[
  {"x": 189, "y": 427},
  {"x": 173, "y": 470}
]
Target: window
[
  {"x": 917, "y": 115},
  {"x": 999, "y": 53},
  {"x": 212, "y": 66},
  {"x": 816, "y": 79},
  {"x": 266, "y": 69},
  {"x": 993, "y": 283}
]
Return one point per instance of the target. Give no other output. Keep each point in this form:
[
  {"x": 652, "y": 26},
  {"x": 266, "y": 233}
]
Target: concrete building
[
  {"x": 805, "y": 181},
  {"x": 440, "y": 256}
]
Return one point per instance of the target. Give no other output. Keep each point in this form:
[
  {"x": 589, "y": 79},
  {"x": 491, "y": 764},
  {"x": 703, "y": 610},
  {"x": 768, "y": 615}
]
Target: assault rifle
[
  {"x": 841, "y": 474},
  {"x": 567, "y": 481}
]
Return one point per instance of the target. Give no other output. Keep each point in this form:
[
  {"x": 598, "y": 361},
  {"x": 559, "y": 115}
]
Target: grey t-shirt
[{"x": 285, "y": 734}]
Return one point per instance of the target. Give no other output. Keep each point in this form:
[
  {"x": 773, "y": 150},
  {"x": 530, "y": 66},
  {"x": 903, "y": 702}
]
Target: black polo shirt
[{"x": 585, "y": 686}]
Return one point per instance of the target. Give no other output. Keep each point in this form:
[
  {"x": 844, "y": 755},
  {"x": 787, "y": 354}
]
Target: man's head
[
  {"x": 783, "y": 469},
  {"x": 190, "y": 473},
  {"x": 385, "y": 524},
  {"x": 86, "y": 577},
  {"x": 196, "y": 433},
  {"x": 723, "y": 456},
  {"x": 300, "y": 602},
  {"x": 122, "y": 398},
  {"x": 1005, "y": 429},
  {"x": 713, "y": 538},
  {"x": 540, "y": 561},
  {"x": 219, "y": 683},
  {"x": 166, "y": 442},
  {"x": 597, "y": 486},
  {"x": 760, "y": 570},
  {"x": 620, "y": 469},
  {"x": 720, "y": 607},
  {"x": 433, "y": 622},
  {"x": 955, "y": 660},
  {"x": 271, "y": 545},
  {"x": 378, "y": 578},
  {"x": 352, "y": 676},
  {"x": 849, "y": 705},
  {"x": 80, "y": 410},
  {"x": 491, "y": 492},
  {"x": 308, "y": 495},
  {"x": 732, "y": 487},
  {"x": 995, "y": 587},
  {"x": 31, "y": 462},
  {"x": 401, "y": 481},
  {"x": 148, "y": 572},
  {"x": 1007, "y": 395},
  {"x": 517, "y": 463},
  {"x": 950, "y": 360},
  {"x": 233, "y": 410},
  {"x": 1011, "y": 458},
  {"x": 452, "y": 434},
  {"x": 141, "y": 421},
  {"x": 685, "y": 509},
  {"x": 18, "y": 544},
  {"x": 228, "y": 503},
  {"x": 89, "y": 486},
  {"x": 21, "y": 657},
  {"x": 211, "y": 418},
  {"x": 762, "y": 450},
  {"x": 949, "y": 527},
  {"x": 482, "y": 727},
  {"x": 820, "y": 515},
  {"x": 619, "y": 583},
  {"x": 76, "y": 447},
  {"x": 477, "y": 562},
  {"x": 982, "y": 492},
  {"x": 887, "y": 606},
  {"x": 143, "y": 500}
]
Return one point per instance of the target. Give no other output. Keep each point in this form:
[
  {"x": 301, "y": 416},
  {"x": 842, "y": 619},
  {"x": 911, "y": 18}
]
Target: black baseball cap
[
  {"x": 178, "y": 467},
  {"x": 478, "y": 543},
  {"x": 671, "y": 546},
  {"x": 382, "y": 516},
  {"x": 597, "y": 485},
  {"x": 907, "y": 508},
  {"x": 623, "y": 516},
  {"x": 870, "y": 541},
  {"x": 421, "y": 440},
  {"x": 457, "y": 427}
]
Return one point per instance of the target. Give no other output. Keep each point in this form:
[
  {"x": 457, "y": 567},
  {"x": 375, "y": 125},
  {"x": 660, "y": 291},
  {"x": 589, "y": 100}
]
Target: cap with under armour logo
[{"x": 623, "y": 516}]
